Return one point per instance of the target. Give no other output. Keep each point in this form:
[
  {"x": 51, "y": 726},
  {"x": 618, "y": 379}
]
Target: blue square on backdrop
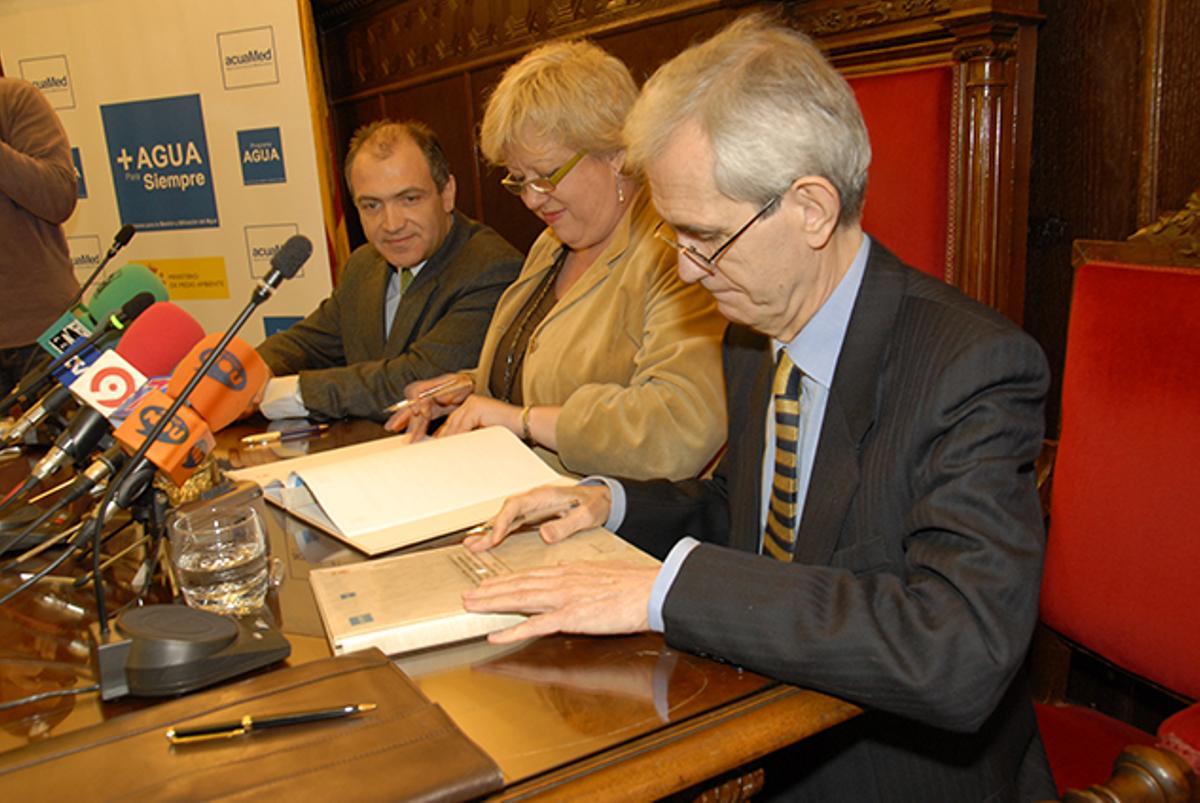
[
  {"x": 278, "y": 323},
  {"x": 260, "y": 151},
  {"x": 161, "y": 171},
  {"x": 80, "y": 182}
]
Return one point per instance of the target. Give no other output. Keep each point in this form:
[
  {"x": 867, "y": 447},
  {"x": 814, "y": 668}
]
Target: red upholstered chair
[{"x": 1123, "y": 553}]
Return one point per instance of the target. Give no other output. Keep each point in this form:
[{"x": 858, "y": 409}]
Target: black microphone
[
  {"x": 73, "y": 444},
  {"x": 120, "y": 240},
  {"x": 287, "y": 260},
  {"x": 114, "y": 323}
]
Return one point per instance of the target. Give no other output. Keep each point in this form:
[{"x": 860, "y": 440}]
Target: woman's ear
[{"x": 616, "y": 160}]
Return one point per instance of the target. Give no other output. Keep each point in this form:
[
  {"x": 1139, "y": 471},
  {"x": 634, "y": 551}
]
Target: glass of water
[{"x": 220, "y": 559}]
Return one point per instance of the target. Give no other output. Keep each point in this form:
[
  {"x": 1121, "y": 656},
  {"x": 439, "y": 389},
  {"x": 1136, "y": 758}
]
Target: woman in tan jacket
[{"x": 598, "y": 355}]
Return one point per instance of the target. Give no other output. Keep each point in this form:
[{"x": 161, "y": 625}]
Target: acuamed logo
[
  {"x": 263, "y": 242},
  {"x": 248, "y": 57},
  {"x": 161, "y": 171},
  {"x": 52, "y": 76}
]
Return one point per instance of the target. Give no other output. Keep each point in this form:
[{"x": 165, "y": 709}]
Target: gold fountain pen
[{"x": 249, "y": 724}]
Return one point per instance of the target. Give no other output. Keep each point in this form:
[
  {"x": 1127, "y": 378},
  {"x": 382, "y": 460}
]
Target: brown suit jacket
[{"x": 348, "y": 368}]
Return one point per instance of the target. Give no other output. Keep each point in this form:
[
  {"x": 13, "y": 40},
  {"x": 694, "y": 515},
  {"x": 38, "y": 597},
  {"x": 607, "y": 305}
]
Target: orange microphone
[
  {"x": 230, "y": 386},
  {"x": 180, "y": 448}
]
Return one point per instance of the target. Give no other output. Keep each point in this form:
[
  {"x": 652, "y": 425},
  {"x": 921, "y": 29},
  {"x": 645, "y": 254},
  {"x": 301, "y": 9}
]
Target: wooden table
[{"x": 562, "y": 716}]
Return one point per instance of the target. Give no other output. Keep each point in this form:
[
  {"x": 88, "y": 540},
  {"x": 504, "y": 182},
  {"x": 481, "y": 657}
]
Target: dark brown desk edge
[{"x": 693, "y": 751}]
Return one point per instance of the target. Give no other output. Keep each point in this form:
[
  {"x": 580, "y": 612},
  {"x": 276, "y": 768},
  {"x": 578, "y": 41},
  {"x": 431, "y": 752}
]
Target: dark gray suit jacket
[
  {"x": 348, "y": 368},
  {"x": 915, "y": 585}
]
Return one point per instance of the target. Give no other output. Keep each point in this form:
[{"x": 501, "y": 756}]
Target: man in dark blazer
[
  {"x": 412, "y": 303},
  {"x": 884, "y": 543}
]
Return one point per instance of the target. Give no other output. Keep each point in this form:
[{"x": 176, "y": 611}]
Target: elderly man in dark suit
[
  {"x": 412, "y": 303},
  {"x": 873, "y": 529}
]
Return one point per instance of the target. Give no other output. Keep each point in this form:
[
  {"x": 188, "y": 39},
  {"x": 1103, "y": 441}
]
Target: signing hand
[
  {"x": 482, "y": 411},
  {"x": 593, "y": 598},
  {"x": 424, "y": 408},
  {"x": 582, "y": 508}
]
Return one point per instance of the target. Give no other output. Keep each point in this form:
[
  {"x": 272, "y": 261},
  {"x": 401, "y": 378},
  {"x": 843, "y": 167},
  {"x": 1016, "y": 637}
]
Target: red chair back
[
  {"x": 909, "y": 120},
  {"x": 1122, "y": 573}
]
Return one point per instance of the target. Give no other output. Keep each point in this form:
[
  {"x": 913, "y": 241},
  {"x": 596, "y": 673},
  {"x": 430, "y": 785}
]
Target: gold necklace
[{"x": 514, "y": 360}]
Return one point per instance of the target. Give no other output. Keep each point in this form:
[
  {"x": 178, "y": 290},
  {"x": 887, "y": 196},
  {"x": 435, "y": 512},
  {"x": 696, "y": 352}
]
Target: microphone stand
[
  {"x": 118, "y": 243},
  {"x": 136, "y": 462},
  {"x": 138, "y": 457}
]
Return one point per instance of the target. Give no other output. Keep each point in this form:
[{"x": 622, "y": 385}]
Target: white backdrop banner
[{"x": 190, "y": 120}]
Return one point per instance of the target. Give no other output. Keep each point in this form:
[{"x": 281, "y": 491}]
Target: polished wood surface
[{"x": 562, "y": 716}]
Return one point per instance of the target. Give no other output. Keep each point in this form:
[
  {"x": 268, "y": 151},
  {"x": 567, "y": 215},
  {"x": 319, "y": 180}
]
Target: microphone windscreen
[
  {"x": 159, "y": 339},
  {"x": 124, "y": 283},
  {"x": 180, "y": 448},
  {"x": 135, "y": 306},
  {"x": 123, "y": 236},
  {"x": 291, "y": 255},
  {"x": 229, "y": 388}
]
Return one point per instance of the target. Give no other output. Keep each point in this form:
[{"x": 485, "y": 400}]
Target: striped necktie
[
  {"x": 779, "y": 540},
  {"x": 406, "y": 278}
]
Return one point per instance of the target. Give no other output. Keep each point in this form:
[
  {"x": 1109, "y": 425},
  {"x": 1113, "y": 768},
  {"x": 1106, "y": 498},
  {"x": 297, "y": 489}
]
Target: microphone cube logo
[
  {"x": 160, "y": 166},
  {"x": 85, "y": 253},
  {"x": 51, "y": 75},
  {"x": 108, "y": 383},
  {"x": 260, "y": 152},
  {"x": 264, "y": 242},
  {"x": 248, "y": 57}
]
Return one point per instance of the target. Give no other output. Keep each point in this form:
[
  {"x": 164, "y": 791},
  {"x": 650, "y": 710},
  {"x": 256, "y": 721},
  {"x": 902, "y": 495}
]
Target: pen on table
[
  {"x": 457, "y": 383},
  {"x": 534, "y": 517},
  {"x": 275, "y": 436},
  {"x": 249, "y": 724}
]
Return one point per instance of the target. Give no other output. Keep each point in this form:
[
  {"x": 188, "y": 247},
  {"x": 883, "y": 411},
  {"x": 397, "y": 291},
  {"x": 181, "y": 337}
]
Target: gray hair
[{"x": 771, "y": 105}]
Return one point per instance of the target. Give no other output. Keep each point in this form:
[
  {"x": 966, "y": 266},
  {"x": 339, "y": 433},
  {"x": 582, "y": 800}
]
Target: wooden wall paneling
[
  {"x": 501, "y": 209},
  {"x": 1171, "y": 154},
  {"x": 444, "y": 105},
  {"x": 347, "y": 117},
  {"x": 1115, "y": 141}
]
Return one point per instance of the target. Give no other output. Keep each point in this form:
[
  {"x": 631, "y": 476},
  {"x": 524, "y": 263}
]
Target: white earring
[{"x": 620, "y": 191}]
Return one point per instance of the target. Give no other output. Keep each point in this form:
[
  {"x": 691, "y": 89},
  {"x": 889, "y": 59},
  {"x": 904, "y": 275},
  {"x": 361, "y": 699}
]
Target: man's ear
[
  {"x": 449, "y": 195},
  {"x": 820, "y": 207}
]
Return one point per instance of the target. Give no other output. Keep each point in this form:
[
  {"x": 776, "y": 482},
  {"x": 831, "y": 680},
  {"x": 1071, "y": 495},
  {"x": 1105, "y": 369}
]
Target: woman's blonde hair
[{"x": 572, "y": 93}]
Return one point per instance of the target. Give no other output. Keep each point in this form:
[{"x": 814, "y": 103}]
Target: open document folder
[
  {"x": 414, "y": 601},
  {"x": 386, "y": 494}
]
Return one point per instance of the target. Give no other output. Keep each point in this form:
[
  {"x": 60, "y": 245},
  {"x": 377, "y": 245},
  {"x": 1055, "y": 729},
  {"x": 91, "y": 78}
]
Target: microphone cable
[
  {"x": 18, "y": 490},
  {"x": 108, "y": 463},
  {"x": 47, "y": 695},
  {"x": 80, "y": 537}
]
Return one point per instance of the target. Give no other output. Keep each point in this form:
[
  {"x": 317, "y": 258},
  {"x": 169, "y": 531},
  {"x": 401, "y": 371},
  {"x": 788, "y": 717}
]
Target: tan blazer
[{"x": 631, "y": 353}]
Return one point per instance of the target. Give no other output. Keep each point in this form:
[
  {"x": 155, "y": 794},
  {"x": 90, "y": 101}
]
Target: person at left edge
[
  {"x": 412, "y": 303},
  {"x": 37, "y": 194}
]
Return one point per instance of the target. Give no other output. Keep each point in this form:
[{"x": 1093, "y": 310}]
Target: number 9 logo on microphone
[
  {"x": 112, "y": 385},
  {"x": 107, "y": 383}
]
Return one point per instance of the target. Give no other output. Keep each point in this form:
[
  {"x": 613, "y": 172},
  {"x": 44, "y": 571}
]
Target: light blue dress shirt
[{"x": 815, "y": 350}]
